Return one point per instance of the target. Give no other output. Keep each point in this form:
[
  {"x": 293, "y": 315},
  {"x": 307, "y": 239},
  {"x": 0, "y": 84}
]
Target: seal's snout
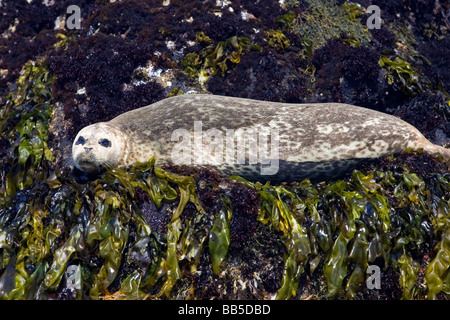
[
  {"x": 86, "y": 162},
  {"x": 88, "y": 149}
]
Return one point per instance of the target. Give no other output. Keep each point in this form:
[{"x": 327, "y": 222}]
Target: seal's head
[{"x": 98, "y": 146}]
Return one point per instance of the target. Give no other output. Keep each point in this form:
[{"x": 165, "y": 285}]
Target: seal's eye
[
  {"x": 104, "y": 143},
  {"x": 81, "y": 141}
]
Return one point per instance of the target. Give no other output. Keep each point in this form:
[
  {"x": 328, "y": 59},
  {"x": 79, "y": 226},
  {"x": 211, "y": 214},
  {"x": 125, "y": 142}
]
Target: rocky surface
[{"x": 183, "y": 233}]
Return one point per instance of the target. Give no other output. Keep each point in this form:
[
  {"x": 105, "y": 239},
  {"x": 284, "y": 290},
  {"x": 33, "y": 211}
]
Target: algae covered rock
[{"x": 186, "y": 233}]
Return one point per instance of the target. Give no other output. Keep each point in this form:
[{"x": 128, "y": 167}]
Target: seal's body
[{"x": 292, "y": 141}]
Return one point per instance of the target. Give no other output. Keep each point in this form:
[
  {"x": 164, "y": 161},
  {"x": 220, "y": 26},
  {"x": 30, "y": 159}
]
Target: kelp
[
  {"x": 230, "y": 50},
  {"x": 187, "y": 193},
  {"x": 219, "y": 237},
  {"x": 276, "y": 39},
  {"x": 398, "y": 69},
  {"x": 41, "y": 235},
  {"x": 24, "y": 120},
  {"x": 346, "y": 226},
  {"x": 438, "y": 270},
  {"x": 215, "y": 58},
  {"x": 332, "y": 231},
  {"x": 408, "y": 276},
  {"x": 110, "y": 205},
  {"x": 277, "y": 211},
  {"x": 110, "y": 230},
  {"x": 287, "y": 21},
  {"x": 60, "y": 260},
  {"x": 24, "y": 123}
]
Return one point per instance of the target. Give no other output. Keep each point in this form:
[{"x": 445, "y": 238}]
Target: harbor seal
[{"x": 258, "y": 140}]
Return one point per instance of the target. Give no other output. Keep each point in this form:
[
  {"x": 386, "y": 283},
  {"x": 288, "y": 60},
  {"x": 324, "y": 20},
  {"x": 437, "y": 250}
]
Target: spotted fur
[{"x": 315, "y": 140}]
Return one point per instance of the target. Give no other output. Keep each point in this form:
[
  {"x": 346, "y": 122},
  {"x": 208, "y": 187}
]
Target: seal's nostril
[{"x": 87, "y": 149}]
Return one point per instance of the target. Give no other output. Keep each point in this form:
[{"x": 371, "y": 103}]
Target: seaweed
[
  {"x": 427, "y": 112},
  {"x": 398, "y": 69},
  {"x": 342, "y": 226},
  {"x": 25, "y": 117},
  {"x": 287, "y": 21},
  {"x": 436, "y": 277},
  {"x": 264, "y": 75},
  {"x": 27, "y": 30},
  {"x": 229, "y": 50},
  {"x": 219, "y": 237},
  {"x": 191, "y": 64},
  {"x": 360, "y": 64},
  {"x": 212, "y": 59},
  {"x": 325, "y": 20},
  {"x": 435, "y": 51},
  {"x": 276, "y": 39},
  {"x": 180, "y": 233},
  {"x": 358, "y": 232}
]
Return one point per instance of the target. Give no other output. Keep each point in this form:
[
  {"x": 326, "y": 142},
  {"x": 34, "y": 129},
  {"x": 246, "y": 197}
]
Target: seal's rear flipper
[{"x": 439, "y": 151}]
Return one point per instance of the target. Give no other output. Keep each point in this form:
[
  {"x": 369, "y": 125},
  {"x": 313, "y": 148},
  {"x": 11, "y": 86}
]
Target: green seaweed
[
  {"x": 359, "y": 257},
  {"x": 435, "y": 274},
  {"x": 438, "y": 269},
  {"x": 337, "y": 264},
  {"x": 24, "y": 118},
  {"x": 287, "y": 21},
  {"x": 437, "y": 31},
  {"x": 61, "y": 257},
  {"x": 276, "y": 39},
  {"x": 111, "y": 234},
  {"x": 331, "y": 231},
  {"x": 360, "y": 220},
  {"x": 130, "y": 287},
  {"x": 408, "y": 276},
  {"x": 276, "y": 212},
  {"x": 173, "y": 234},
  {"x": 219, "y": 237},
  {"x": 230, "y": 50},
  {"x": 201, "y": 37},
  {"x": 214, "y": 59},
  {"x": 191, "y": 64},
  {"x": 325, "y": 20},
  {"x": 398, "y": 69}
]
